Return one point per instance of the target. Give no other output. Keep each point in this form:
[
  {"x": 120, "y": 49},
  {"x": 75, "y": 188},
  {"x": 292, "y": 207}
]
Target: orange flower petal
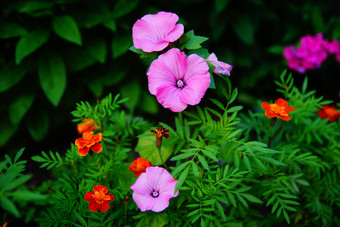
[
  {"x": 289, "y": 109},
  {"x": 94, "y": 206},
  {"x": 83, "y": 151},
  {"x": 265, "y": 105},
  {"x": 104, "y": 206},
  {"x": 97, "y": 147},
  {"x": 89, "y": 196},
  {"x": 100, "y": 188},
  {"x": 281, "y": 102},
  {"x": 97, "y": 138},
  {"x": 80, "y": 142},
  {"x": 285, "y": 118}
]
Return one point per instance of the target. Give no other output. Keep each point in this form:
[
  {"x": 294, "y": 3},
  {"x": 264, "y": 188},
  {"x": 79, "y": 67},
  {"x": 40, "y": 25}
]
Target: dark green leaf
[
  {"x": 19, "y": 107},
  {"x": 97, "y": 48},
  {"x": 67, "y": 28},
  {"x": 38, "y": 125},
  {"x": 52, "y": 75},
  {"x": 121, "y": 45},
  {"x": 244, "y": 29},
  {"x": 28, "y": 195},
  {"x": 123, "y": 7},
  {"x": 31, "y": 6},
  {"x": 6, "y": 130},
  {"x": 10, "y": 75},
  {"x": 10, "y": 29},
  {"x": 29, "y": 43},
  {"x": 8, "y": 205},
  {"x": 17, "y": 182}
]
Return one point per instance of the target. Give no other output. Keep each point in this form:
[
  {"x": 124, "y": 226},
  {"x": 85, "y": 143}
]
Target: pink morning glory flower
[
  {"x": 154, "y": 32},
  {"x": 220, "y": 67},
  {"x": 153, "y": 189},
  {"x": 177, "y": 80}
]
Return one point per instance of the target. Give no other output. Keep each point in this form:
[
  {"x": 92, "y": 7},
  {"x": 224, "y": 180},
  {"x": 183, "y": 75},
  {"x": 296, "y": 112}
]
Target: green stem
[
  {"x": 160, "y": 155},
  {"x": 276, "y": 133}
]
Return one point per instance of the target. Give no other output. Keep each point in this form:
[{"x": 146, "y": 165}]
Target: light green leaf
[
  {"x": 17, "y": 182},
  {"x": 193, "y": 41},
  {"x": 19, "y": 107},
  {"x": 10, "y": 75},
  {"x": 67, "y": 28},
  {"x": 29, "y": 43},
  {"x": 10, "y": 29},
  {"x": 147, "y": 149},
  {"x": 157, "y": 219},
  {"x": 97, "y": 48},
  {"x": 52, "y": 75}
]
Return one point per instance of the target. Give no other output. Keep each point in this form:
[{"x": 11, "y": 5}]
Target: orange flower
[
  {"x": 99, "y": 200},
  {"x": 87, "y": 125},
  {"x": 139, "y": 166},
  {"x": 330, "y": 112},
  {"x": 89, "y": 142},
  {"x": 279, "y": 109},
  {"x": 160, "y": 132}
]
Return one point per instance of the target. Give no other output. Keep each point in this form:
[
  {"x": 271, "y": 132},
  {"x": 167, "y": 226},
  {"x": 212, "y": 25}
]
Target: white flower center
[
  {"x": 180, "y": 84},
  {"x": 154, "y": 194}
]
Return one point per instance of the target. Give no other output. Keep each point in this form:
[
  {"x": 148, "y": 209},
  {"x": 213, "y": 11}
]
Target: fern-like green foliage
[{"x": 13, "y": 192}]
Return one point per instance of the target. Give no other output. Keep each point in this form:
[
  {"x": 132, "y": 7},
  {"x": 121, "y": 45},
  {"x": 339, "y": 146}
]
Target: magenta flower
[
  {"x": 177, "y": 80},
  {"x": 220, "y": 67},
  {"x": 153, "y": 189},
  {"x": 154, "y": 32}
]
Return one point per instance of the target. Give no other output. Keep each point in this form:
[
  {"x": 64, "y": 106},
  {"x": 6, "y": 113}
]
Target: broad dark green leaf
[
  {"x": 67, "y": 28},
  {"x": 31, "y": 6},
  {"x": 148, "y": 103},
  {"x": 123, "y": 7},
  {"x": 10, "y": 29},
  {"x": 244, "y": 29},
  {"x": 6, "y": 130},
  {"x": 52, "y": 75},
  {"x": 132, "y": 91},
  {"x": 97, "y": 48},
  {"x": 121, "y": 45},
  {"x": 15, "y": 183},
  {"x": 38, "y": 125},
  {"x": 10, "y": 75},
  {"x": 29, "y": 43},
  {"x": 19, "y": 107}
]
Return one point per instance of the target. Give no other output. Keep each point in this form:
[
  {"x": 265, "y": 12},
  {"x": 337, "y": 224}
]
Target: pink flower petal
[
  {"x": 142, "y": 186},
  {"x": 168, "y": 96},
  {"x": 144, "y": 202},
  {"x": 160, "y": 204},
  {"x": 220, "y": 67},
  {"x": 153, "y": 32}
]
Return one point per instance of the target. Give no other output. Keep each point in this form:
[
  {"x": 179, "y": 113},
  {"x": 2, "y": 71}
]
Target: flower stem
[{"x": 160, "y": 155}]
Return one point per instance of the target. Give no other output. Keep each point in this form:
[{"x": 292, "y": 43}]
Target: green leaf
[
  {"x": 18, "y": 155},
  {"x": 67, "y": 28},
  {"x": 17, "y": 182},
  {"x": 10, "y": 29},
  {"x": 29, "y": 43},
  {"x": 38, "y": 125},
  {"x": 251, "y": 198},
  {"x": 148, "y": 103},
  {"x": 132, "y": 91},
  {"x": 6, "y": 130},
  {"x": 52, "y": 75},
  {"x": 8, "y": 205},
  {"x": 147, "y": 149},
  {"x": 124, "y": 7},
  {"x": 244, "y": 29},
  {"x": 31, "y": 6},
  {"x": 28, "y": 195},
  {"x": 121, "y": 44},
  {"x": 80, "y": 219},
  {"x": 10, "y": 75},
  {"x": 212, "y": 82},
  {"x": 193, "y": 41},
  {"x": 182, "y": 178},
  {"x": 276, "y": 49},
  {"x": 97, "y": 48},
  {"x": 19, "y": 107}
]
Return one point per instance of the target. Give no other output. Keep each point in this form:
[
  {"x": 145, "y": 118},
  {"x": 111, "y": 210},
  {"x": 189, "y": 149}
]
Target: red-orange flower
[
  {"x": 89, "y": 141},
  {"x": 280, "y": 109},
  {"x": 86, "y": 126},
  {"x": 330, "y": 112},
  {"x": 160, "y": 132},
  {"x": 139, "y": 166},
  {"x": 99, "y": 200}
]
